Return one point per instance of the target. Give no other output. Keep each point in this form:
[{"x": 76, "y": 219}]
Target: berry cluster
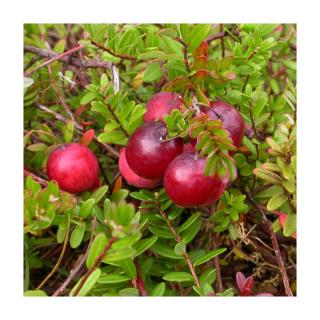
[{"x": 150, "y": 159}]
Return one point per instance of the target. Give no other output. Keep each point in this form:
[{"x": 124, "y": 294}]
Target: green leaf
[
  {"x": 161, "y": 232},
  {"x": 290, "y": 226},
  {"x": 153, "y": 72},
  {"x": 165, "y": 251},
  {"x": 89, "y": 96},
  {"x": 27, "y": 82},
  {"x": 144, "y": 245},
  {"x": 90, "y": 282},
  {"x": 197, "y": 35},
  {"x": 276, "y": 201},
  {"x": 149, "y": 55},
  {"x": 35, "y": 293},
  {"x": 271, "y": 191},
  {"x": 290, "y": 64},
  {"x": 209, "y": 256},
  {"x": 129, "y": 292},
  {"x": 98, "y": 194},
  {"x": 68, "y": 130},
  {"x": 158, "y": 290},
  {"x": 77, "y": 235},
  {"x": 96, "y": 249},
  {"x": 36, "y": 147},
  {"x": 129, "y": 267},
  {"x": 112, "y": 278},
  {"x": 209, "y": 276},
  {"x": 62, "y": 231},
  {"x": 191, "y": 232},
  {"x": 86, "y": 208},
  {"x": 180, "y": 249},
  {"x": 128, "y": 241},
  {"x": 118, "y": 255},
  {"x": 267, "y": 176},
  {"x": 189, "y": 222},
  {"x": 178, "y": 276}
]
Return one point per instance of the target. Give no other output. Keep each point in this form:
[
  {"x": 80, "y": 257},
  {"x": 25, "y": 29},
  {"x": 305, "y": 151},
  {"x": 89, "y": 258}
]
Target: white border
[{"x": 18, "y": 12}]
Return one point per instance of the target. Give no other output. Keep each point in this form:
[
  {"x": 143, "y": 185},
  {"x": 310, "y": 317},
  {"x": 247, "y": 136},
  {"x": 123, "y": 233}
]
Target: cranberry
[
  {"x": 231, "y": 119},
  {"x": 161, "y": 103},
  {"x": 148, "y": 154},
  {"x": 187, "y": 186},
  {"x": 74, "y": 167},
  {"x": 132, "y": 178}
]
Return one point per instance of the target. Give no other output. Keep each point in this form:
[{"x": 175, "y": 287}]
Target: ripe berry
[
  {"x": 132, "y": 178},
  {"x": 74, "y": 167},
  {"x": 161, "y": 103},
  {"x": 188, "y": 147},
  {"x": 148, "y": 154},
  {"x": 187, "y": 186},
  {"x": 231, "y": 119}
]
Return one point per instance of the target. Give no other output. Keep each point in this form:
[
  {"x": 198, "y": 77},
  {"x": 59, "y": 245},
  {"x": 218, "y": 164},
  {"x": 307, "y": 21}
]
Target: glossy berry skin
[
  {"x": 132, "y": 178},
  {"x": 187, "y": 186},
  {"x": 74, "y": 167},
  {"x": 148, "y": 154},
  {"x": 231, "y": 119},
  {"x": 161, "y": 103}
]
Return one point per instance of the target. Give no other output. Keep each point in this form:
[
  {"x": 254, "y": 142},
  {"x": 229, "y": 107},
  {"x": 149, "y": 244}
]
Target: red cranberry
[
  {"x": 231, "y": 119},
  {"x": 161, "y": 103},
  {"x": 74, "y": 167},
  {"x": 148, "y": 154},
  {"x": 188, "y": 147},
  {"x": 187, "y": 186},
  {"x": 132, "y": 178}
]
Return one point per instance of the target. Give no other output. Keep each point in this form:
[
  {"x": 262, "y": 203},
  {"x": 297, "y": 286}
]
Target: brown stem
[
  {"x": 275, "y": 244},
  {"x": 45, "y": 53},
  {"x": 74, "y": 272},
  {"x": 222, "y": 40},
  {"x": 139, "y": 281},
  {"x": 185, "y": 53},
  {"x": 179, "y": 240},
  {"x": 43, "y": 182},
  {"x": 95, "y": 265},
  {"x": 55, "y": 58},
  {"x": 56, "y": 266},
  {"x": 118, "y": 55},
  {"x": 216, "y": 36},
  {"x": 217, "y": 266}
]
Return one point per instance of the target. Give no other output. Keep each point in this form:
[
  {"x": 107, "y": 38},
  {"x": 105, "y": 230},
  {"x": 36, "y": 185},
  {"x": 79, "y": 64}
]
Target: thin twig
[
  {"x": 73, "y": 61},
  {"x": 275, "y": 245},
  {"x": 222, "y": 40},
  {"x": 96, "y": 264},
  {"x": 43, "y": 182},
  {"x": 56, "y": 266},
  {"x": 55, "y": 58},
  {"x": 118, "y": 55},
  {"x": 139, "y": 281},
  {"x": 179, "y": 240},
  {"x": 185, "y": 53},
  {"x": 217, "y": 266},
  {"x": 74, "y": 272},
  {"x": 78, "y": 127}
]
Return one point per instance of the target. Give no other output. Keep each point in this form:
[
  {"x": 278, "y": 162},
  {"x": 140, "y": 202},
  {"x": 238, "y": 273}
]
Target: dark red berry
[
  {"x": 147, "y": 152},
  {"x": 132, "y": 178},
  {"x": 231, "y": 119},
  {"x": 187, "y": 186}
]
